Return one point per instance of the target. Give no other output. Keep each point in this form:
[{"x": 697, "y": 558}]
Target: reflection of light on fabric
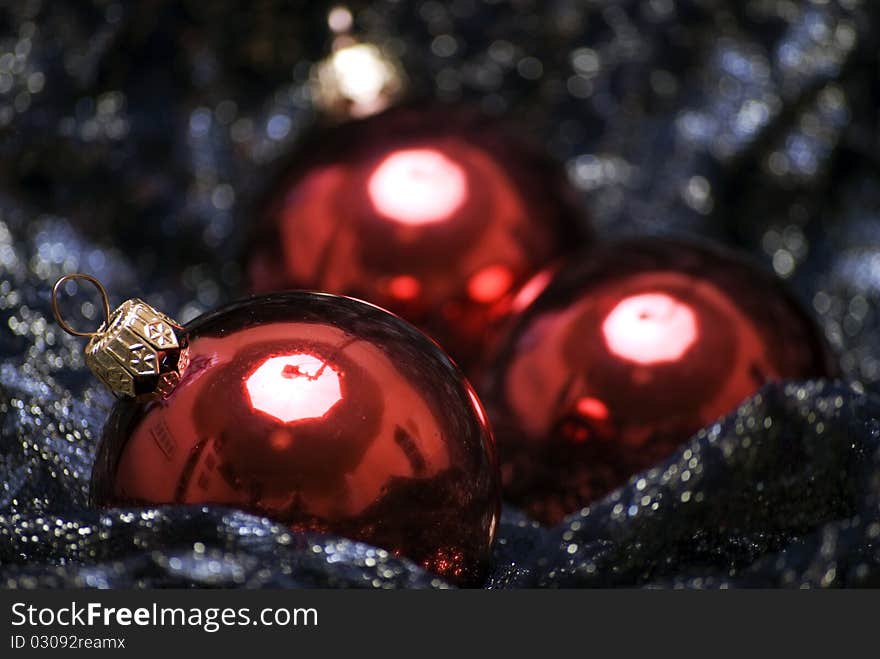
[
  {"x": 650, "y": 328},
  {"x": 490, "y": 283},
  {"x": 592, "y": 408},
  {"x": 417, "y": 186},
  {"x": 404, "y": 287},
  {"x": 294, "y": 387},
  {"x": 531, "y": 290}
]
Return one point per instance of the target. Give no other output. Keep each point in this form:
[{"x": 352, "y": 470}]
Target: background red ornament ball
[
  {"x": 625, "y": 354},
  {"x": 326, "y": 414},
  {"x": 437, "y": 213}
]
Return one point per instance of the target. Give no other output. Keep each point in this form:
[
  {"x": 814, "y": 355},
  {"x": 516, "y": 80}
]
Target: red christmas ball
[
  {"x": 628, "y": 352},
  {"x": 438, "y": 214},
  {"x": 326, "y": 414}
]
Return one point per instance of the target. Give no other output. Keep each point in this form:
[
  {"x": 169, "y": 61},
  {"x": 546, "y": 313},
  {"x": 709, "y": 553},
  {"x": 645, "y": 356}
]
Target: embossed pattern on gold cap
[{"x": 137, "y": 352}]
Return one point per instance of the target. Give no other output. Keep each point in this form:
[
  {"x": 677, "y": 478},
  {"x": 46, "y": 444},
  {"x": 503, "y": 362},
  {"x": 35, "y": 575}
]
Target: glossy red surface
[
  {"x": 628, "y": 352},
  {"x": 435, "y": 213},
  {"x": 326, "y": 414}
]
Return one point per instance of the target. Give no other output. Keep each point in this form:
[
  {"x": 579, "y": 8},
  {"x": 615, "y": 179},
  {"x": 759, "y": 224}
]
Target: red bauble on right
[{"x": 626, "y": 354}]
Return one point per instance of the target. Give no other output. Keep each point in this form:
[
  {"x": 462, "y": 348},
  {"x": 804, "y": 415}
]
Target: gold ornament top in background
[
  {"x": 137, "y": 351},
  {"x": 357, "y": 78}
]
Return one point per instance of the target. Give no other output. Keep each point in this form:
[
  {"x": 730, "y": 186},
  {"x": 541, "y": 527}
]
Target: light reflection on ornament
[
  {"x": 490, "y": 283},
  {"x": 404, "y": 287},
  {"x": 592, "y": 408},
  {"x": 294, "y": 387},
  {"x": 531, "y": 290},
  {"x": 417, "y": 186},
  {"x": 478, "y": 406},
  {"x": 650, "y": 328}
]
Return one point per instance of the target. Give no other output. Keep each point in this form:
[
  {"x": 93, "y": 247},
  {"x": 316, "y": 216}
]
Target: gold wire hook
[{"x": 57, "y": 312}]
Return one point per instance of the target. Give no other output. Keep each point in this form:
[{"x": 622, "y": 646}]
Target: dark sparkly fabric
[{"x": 134, "y": 137}]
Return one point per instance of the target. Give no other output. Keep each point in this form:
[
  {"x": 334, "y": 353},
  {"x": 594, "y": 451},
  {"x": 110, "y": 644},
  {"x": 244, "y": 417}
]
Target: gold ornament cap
[{"x": 138, "y": 351}]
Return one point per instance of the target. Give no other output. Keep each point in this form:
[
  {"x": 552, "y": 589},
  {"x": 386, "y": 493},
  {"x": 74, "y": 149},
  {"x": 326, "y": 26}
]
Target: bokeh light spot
[
  {"x": 417, "y": 186},
  {"x": 294, "y": 387}
]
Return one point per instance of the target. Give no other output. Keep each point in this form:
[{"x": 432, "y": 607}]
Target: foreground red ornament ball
[
  {"x": 438, "y": 214},
  {"x": 628, "y": 352},
  {"x": 326, "y": 414}
]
